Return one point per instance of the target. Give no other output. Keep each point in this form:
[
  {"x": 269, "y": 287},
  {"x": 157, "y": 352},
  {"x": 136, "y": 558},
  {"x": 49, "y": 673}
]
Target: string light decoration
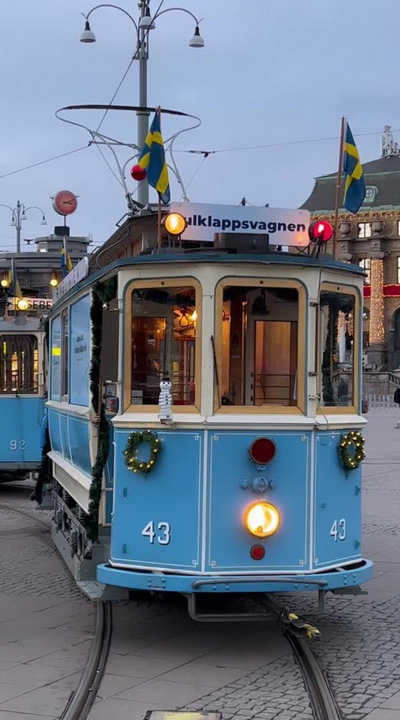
[
  {"x": 376, "y": 318},
  {"x": 351, "y": 450},
  {"x": 135, "y": 439}
]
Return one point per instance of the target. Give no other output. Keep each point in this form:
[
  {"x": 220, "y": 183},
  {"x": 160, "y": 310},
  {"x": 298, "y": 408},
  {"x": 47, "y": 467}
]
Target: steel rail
[
  {"x": 79, "y": 704},
  {"x": 81, "y": 700},
  {"x": 319, "y": 690},
  {"x": 320, "y": 693}
]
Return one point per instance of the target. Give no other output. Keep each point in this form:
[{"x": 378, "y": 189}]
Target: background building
[
  {"x": 39, "y": 272},
  {"x": 371, "y": 239}
]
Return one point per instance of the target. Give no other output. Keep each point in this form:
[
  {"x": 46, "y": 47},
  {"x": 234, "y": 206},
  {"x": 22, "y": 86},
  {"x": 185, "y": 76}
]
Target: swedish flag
[
  {"x": 66, "y": 262},
  {"x": 152, "y": 159},
  {"x": 354, "y": 190}
]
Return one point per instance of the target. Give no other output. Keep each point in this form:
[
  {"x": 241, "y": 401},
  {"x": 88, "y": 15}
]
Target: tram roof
[{"x": 207, "y": 256}]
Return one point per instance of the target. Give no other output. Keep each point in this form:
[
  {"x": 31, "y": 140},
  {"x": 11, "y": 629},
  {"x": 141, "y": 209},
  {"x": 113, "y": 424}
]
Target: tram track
[
  {"x": 298, "y": 632},
  {"x": 81, "y": 700}
]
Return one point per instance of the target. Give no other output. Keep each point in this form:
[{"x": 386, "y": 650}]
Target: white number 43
[
  {"x": 164, "y": 536},
  {"x": 339, "y": 530}
]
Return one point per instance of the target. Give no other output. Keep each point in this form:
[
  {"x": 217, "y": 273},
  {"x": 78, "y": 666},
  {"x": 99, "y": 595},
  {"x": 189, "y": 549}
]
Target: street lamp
[
  {"x": 18, "y": 214},
  {"x": 145, "y": 23}
]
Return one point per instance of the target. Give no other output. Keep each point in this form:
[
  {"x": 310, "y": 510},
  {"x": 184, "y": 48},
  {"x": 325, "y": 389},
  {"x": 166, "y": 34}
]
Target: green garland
[
  {"x": 101, "y": 293},
  {"x": 351, "y": 450},
  {"x": 136, "y": 439}
]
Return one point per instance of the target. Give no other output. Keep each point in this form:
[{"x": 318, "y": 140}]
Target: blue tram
[
  {"x": 22, "y": 393},
  {"x": 205, "y": 422}
]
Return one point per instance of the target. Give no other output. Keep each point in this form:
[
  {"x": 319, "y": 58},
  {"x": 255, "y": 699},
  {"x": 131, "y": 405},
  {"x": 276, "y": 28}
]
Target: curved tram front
[{"x": 241, "y": 473}]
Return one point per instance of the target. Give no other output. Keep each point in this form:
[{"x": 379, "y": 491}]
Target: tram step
[{"x": 98, "y": 591}]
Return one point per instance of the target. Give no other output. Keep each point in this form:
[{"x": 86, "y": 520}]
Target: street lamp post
[
  {"x": 18, "y": 214},
  {"x": 145, "y": 23}
]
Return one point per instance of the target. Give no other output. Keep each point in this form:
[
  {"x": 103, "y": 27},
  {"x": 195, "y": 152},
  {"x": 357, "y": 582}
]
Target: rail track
[
  {"x": 81, "y": 700},
  {"x": 321, "y": 696}
]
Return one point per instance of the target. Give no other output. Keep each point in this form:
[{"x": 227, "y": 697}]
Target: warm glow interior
[{"x": 262, "y": 519}]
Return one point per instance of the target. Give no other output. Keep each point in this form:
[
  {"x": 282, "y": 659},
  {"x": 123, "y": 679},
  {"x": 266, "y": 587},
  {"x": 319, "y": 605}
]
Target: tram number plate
[
  {"x": 339, "y": 529},
  {"x": 17, "y": 444},
  {"x": 160, "y": 532}
]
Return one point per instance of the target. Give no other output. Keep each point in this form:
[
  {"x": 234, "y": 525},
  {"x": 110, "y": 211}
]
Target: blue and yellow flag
[
  {"x": 66, "y": 262},
  {"x": 354, "y": 189},
  {"x": 152, "y": 159},
  {"x": 14, "y": 286}
]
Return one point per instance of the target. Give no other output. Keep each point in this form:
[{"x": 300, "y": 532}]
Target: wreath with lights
[
  {"x": 351, "y": 450},
  {"x": 135, "y": 439}
]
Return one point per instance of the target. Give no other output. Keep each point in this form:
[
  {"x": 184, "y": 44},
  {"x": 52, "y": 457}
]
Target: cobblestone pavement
[
  {"x": 160, "y": 659},
  {"x": 45, "y": 623}
]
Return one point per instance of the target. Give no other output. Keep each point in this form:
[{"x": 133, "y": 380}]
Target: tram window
[
  {"x": 259, "y": 346},
  {"x": 19, "y": 364},
  {"x": 65, "y": 350},
  {"x": 163, "y": 337},
  {"x": 337, "y": 348}
]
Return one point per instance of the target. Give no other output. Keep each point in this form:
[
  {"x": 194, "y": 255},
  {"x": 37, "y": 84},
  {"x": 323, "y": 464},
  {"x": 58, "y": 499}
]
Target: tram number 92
[
  {"x": 339, "y": 530},
  {"x": 17, "y": 444},
  {"x": 160, "y": 533}
]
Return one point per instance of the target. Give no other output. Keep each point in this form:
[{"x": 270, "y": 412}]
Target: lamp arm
[
  {"x": 157, "y": 15},
  {"x": 9, "y": 207},
  {"x": 116, "y": 8},
  {"x": 34, "y": 207}
]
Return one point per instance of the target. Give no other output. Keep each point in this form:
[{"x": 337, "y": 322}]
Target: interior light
[
  {"x": 4, "y": 283},
  {"x": 262, "y": 519},
  {"x": 193, "y": 316},
  {"x": 175, "y": 224}
]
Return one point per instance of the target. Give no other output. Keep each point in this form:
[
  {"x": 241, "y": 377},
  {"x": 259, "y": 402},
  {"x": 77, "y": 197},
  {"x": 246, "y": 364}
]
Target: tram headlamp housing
[
  {"x": 262, "y": 519},
  {"x": 175, "y": 224}
]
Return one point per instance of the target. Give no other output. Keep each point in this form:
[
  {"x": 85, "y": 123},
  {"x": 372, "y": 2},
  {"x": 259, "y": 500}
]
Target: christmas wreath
[
  {"x": 351, "y": 450},
  {"x": 135, "y": 439}
]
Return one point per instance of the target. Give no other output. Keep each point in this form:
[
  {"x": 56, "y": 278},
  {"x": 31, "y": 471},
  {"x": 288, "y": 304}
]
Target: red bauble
[{"x": 138, "y": 173}]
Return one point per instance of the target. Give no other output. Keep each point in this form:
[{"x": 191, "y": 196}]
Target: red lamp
[{"x": 138, "y": 173}]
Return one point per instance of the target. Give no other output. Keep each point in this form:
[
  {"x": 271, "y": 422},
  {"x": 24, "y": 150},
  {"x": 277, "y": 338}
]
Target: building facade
[
  {"x": 371, "y": 239},
  {"x": 40, "y": 272}
]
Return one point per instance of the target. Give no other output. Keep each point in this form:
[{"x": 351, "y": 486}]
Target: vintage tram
[
  {"x": 205, "y": 420},
  {"x": 22, "y": 393}
]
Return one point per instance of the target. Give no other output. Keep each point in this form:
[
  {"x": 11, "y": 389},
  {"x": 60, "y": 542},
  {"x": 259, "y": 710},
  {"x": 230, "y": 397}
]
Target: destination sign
[
  {"x": 284, "y": 227},
  {"x": 28, "y": 304}
]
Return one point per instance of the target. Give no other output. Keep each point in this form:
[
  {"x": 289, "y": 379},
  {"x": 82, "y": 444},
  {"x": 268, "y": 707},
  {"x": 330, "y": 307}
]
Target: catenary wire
[{"x": 200, "y": 152}]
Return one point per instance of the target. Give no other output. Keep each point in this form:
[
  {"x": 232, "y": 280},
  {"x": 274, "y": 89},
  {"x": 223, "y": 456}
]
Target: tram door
[
  {"x": 271, "y": 360},
  {"x": 21, "y": 399}
]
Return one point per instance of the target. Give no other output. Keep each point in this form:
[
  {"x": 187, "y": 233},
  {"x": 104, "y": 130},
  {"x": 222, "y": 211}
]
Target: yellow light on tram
[
  {"x": 54, "y": 281},
  {"x": 262, "y": 519},
  {"x": 175, "y": 224},
  {"x": 4, "y": 282},
  {"x": 22, "y": 304}
]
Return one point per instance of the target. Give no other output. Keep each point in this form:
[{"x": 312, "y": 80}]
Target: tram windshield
[
  {"x": 337, "y": 348},
  {"x": 19, "y": 364},
  {"x": 163, "y": 341},
  {"x": 259, "y": 346}
]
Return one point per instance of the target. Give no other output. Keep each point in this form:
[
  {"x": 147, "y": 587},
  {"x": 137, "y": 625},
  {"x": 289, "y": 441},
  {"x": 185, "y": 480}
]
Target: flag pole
[
  {"x": 159, "y": 200},
  {"x": 338, "y": 185}
]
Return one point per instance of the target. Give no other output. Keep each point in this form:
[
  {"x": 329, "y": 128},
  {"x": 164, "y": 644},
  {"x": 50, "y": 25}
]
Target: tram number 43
[
  {"x": 339, "y": 530},
  {"x": 160, "y": 533}
]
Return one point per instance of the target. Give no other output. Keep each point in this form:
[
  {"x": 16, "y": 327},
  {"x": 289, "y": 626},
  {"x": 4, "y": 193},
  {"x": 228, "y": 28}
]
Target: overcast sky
[{"x": 272, "y": 72}]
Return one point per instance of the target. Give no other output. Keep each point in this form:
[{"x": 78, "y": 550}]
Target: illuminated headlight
[{"x": 262, "y": 519}]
